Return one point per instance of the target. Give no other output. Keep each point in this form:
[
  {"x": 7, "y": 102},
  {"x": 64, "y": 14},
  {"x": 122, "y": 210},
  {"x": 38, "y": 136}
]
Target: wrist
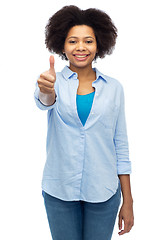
[
  {"x": 47, "y": 98},
  {"x": 128, "y": 200}
]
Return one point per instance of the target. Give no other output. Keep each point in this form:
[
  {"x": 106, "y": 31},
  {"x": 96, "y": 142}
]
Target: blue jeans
[{"x": 80, "y": 220}]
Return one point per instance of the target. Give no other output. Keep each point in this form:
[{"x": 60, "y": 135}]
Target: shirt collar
[{"x": 67, "y": 73}]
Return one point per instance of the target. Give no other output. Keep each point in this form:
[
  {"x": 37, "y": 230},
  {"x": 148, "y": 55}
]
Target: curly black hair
[{"x": 62, "y": 21}]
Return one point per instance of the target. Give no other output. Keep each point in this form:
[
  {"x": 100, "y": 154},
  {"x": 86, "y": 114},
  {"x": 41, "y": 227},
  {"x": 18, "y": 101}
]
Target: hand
[
  {"x": 126, "y": 215},
  {"x": 47, "y": 79}
]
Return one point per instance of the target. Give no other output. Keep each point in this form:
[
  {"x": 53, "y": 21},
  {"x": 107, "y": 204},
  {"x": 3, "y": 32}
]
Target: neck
[{"x": 84, "y": 73}]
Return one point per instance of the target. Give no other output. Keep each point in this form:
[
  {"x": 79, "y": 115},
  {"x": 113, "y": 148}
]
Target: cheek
[
  {"x": 93, "y": 49},
  {"x": 68, "y": 50}
]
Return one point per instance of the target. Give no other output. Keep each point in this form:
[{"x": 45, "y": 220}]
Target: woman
[{"x": 87, "y": 163}]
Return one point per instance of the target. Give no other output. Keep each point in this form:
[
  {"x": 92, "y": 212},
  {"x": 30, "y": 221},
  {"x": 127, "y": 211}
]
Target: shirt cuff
[
  {"x": 40, "y": 104},
  {"x": 124, "y": 167}
]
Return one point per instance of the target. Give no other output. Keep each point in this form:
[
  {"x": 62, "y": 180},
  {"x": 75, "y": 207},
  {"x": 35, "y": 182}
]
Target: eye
[
  {"x": 89, "y": 41},
  {"x": 72, "y": 41}
]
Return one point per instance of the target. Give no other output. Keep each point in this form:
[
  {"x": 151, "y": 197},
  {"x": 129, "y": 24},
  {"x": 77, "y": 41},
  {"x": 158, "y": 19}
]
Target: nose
[{"x": 80, "y": 47}]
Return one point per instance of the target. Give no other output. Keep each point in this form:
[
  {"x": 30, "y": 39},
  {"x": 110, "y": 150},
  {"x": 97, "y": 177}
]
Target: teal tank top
[{"x": 84, "y": 104}]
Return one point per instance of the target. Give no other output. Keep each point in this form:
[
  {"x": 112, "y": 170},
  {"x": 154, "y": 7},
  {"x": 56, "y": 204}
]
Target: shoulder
[{"x": 113, "y": 82}]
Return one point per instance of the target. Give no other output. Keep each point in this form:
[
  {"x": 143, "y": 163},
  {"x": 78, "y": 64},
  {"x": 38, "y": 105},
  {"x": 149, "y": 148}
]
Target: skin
[
  {"x": 81, "y": 40},
  {"x": 126, "y": 215},
  {"x": 80, "y": 48},
  {"x": 46, "y": 85}
]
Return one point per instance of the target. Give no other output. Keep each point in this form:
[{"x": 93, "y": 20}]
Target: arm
[
  {"x": 126, "y": 188},
  {"x": 126, "y": 211},
  {"x": 123, "y": 168}
]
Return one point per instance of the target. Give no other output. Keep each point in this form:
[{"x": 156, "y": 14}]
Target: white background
[{"x": 23, "y": 56}]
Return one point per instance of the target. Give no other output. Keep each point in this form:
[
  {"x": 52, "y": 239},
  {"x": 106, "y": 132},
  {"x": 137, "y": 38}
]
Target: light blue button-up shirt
[{"x": 83, "y": 162}]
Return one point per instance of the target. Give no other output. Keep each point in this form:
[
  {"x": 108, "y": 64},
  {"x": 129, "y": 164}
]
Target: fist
[{"x": 47, "y": 79}]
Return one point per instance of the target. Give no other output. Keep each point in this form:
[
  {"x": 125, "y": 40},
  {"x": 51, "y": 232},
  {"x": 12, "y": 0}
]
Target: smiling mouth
[{"x": 81, "y": 57}]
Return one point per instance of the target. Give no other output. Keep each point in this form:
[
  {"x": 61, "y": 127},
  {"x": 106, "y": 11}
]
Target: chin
[{"x": 81, "y": 64}]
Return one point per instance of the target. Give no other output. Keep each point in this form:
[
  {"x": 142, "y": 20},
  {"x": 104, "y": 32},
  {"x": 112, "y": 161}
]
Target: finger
[
  {"x": 121, "y": 232},
  {"x": 47, "y": 76},
  {"x": 46, "y": 89},
  {"x": 52, "y": 61},
  {"x": 46, "y": 83},
  {"x": 120, "y": 223},
  {"x": 127, "y": 228}
]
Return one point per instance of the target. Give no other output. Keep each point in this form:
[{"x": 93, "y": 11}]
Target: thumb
[
  {"x": 52, "y": 61},
  {"x": 120, "y": 223}
]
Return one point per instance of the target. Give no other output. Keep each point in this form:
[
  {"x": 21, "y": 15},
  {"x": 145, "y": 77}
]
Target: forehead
[{"x": 81, "y": 31}]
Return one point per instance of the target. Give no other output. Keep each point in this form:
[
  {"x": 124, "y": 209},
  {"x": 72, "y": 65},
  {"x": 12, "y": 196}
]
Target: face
[{"x": 80, "y": 46}]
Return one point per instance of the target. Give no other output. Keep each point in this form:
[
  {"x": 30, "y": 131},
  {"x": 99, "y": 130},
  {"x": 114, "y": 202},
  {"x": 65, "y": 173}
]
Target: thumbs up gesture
[{"x": 47, "y": 79}]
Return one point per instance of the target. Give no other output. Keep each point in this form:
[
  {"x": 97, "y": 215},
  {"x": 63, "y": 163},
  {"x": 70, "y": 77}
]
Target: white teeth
[{"x": 78, "y": 56}]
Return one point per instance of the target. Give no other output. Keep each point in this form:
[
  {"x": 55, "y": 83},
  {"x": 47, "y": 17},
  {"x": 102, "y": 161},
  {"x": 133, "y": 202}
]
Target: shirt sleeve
[
  {"x": 39, "y": 104},
  {"x": 121, "y": 140}
]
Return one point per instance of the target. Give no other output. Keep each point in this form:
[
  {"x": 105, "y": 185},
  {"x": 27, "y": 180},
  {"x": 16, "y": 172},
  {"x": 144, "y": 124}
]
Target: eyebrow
[{"x": 84, "y": 37}]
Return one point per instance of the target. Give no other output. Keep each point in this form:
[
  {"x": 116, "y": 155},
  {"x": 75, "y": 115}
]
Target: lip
[{"x": 81, "y": 57}]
